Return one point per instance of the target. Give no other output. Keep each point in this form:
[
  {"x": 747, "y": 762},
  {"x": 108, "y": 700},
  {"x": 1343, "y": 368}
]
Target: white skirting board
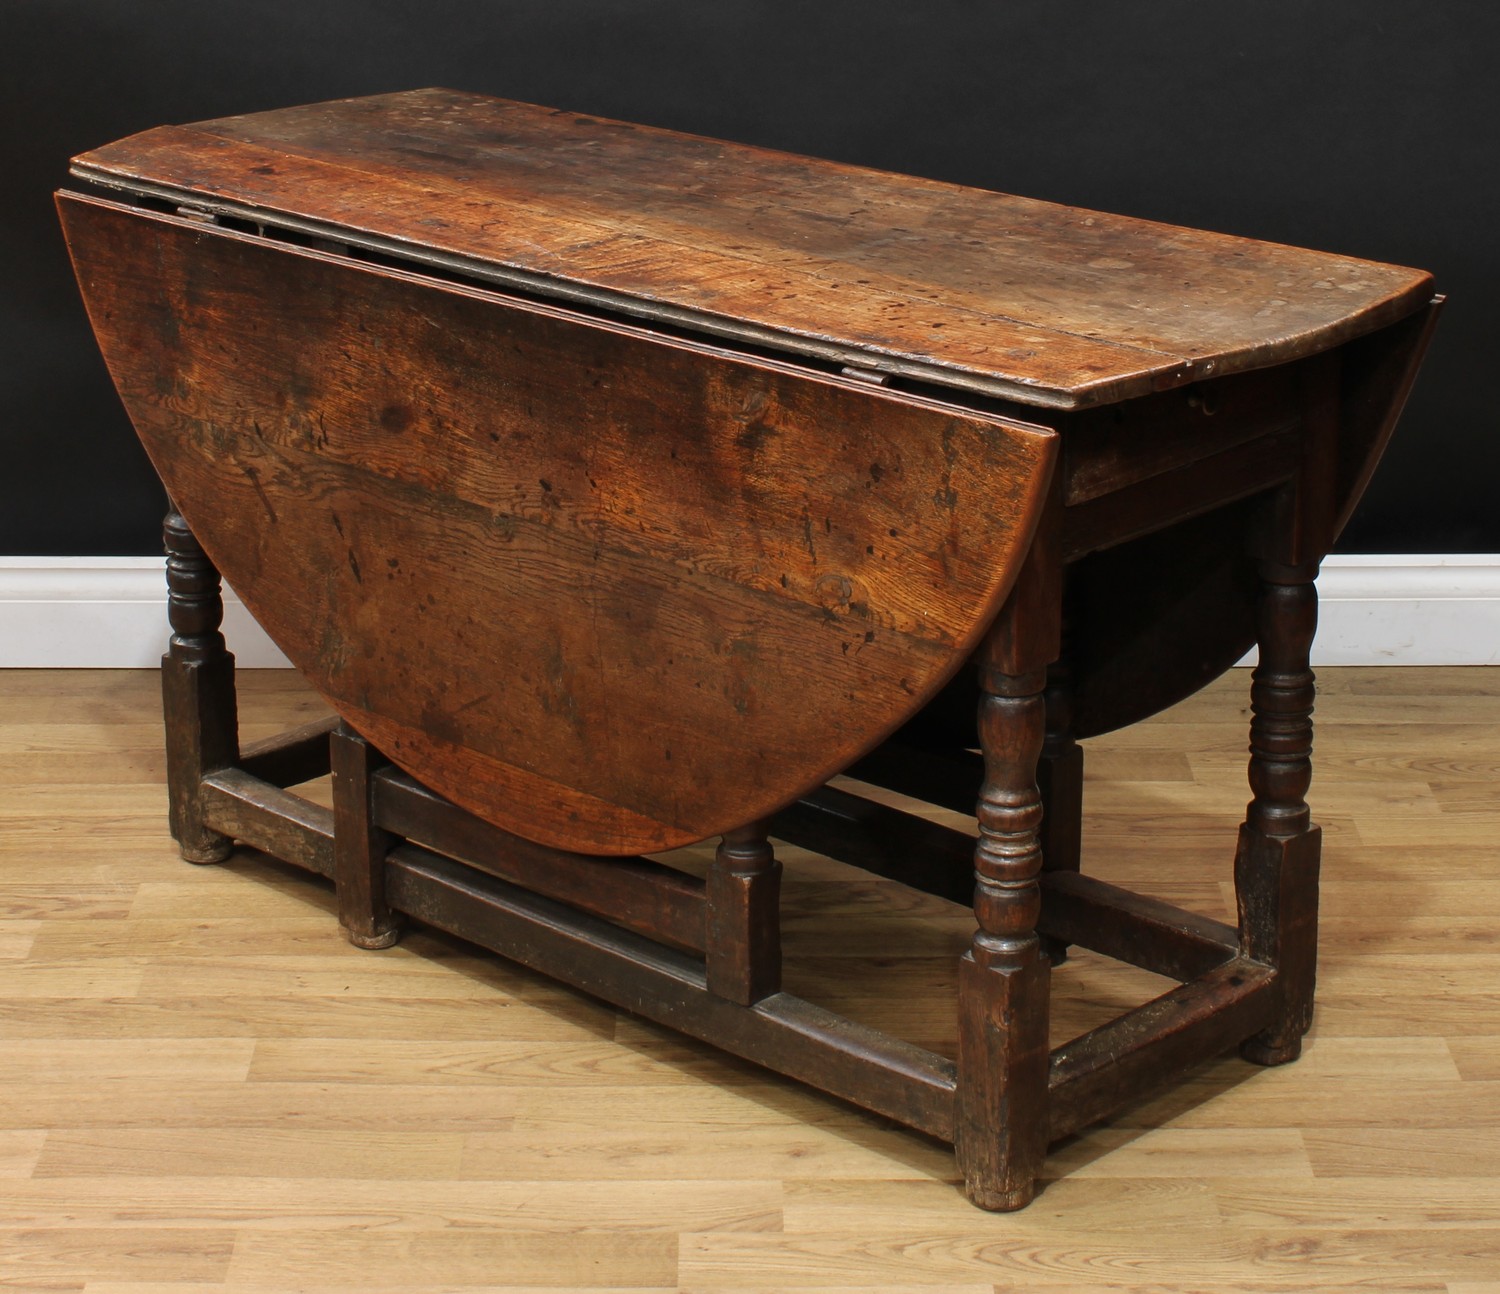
[
  {"x": 104, "y": 613},
  {"x": 110, "y": 613}
]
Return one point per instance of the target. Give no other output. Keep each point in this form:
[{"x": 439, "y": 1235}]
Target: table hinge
[
  {"x": 867, "y": 375},
  {"x": 199, "y": 214}
]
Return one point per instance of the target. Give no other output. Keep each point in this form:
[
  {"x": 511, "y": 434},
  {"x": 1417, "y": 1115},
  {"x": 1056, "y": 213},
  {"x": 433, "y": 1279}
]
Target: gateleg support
[
  {"x": 198, "y": 696},
  {"x": 1277, "y": 883},
  {"x": 743, "y": 937},
  {"x": 359, "y": 846}
]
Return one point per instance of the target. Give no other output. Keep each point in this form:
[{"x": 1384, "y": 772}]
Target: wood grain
[
  {"x": 1037, "y": 302},
  {"x": 428, "y": 1103},
  {"x": 561, "y": 572},
  {"x": 527, "y": 650}
]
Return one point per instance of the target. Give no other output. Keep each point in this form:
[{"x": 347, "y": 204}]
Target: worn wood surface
[
  {"x": 1000, "y": 1125},
  {"x": 872, "y": 1069},
  {"x": 299, "y": 755},
  {"x": 280, "y": 822},
  {"x": 1029, "y": 300},
  {"x": 659, "y": 902},
  {"x": 360, "y": 845},
  {"x": 197, "y": 685},
  {"x": 1133, "y": 928},
  {"x": 1160, "y": 615},
  {"x": 609, "y": 591},
  {"x": 867, "y": 834},
  {"x": 1276, "y": 864},
  {"x": 1378, "y": 372},
  {"x": 743, "y": 922},
  {"x": 1004, "y": 1094},
  {"x": 1092, "y": 1076},
  {"x": 357, "y": 445},
  {"x": 206, "y": 1089}
]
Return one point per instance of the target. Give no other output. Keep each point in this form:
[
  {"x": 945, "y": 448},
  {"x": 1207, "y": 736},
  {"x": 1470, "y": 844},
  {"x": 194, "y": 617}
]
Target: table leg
[
  {"x": 359, "y": 846},
  {"x": 1001, "y": 1128},
  {"x": 198, "y": 698},
  {"x": 743, "y": 946},
  {"x": 1276, "y": 866}
]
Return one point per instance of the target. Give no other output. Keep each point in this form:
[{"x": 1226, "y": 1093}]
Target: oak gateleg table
[{"x": 619, "y": 488}]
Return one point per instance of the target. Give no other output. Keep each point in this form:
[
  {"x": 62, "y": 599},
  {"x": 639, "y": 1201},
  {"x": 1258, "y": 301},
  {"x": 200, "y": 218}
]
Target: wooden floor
[{"x": 204, "y": 1088}]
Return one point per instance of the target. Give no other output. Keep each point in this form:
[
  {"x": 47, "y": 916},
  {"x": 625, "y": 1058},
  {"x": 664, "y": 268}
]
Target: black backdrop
[{"x": 1370, "y": 127}]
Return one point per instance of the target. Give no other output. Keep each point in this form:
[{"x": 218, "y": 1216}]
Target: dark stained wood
[
  {"x": 198, "y": 699},
  {"x": 949, "y": 776},
  {"x": 1160, "y": 616},
  {"x": 267, "y": 818},
  {"x": 1133, "y": 928},
  {"x": 1106, "y": 450},
  {"x": 559, "y": 571},
  {"x": 1179, "y": 495},
  {"x": 1059, "y": 780},
  {"x": 359, "y": 845},
  {"x": 1163, "y": 614},
  {"x": 1297, "y": 529},
  {"x": 1276, "y": 866},
  {"x": 782, "y": 1032},
  {"x": 1161, "y": 585},
  {"x": 1378, "y": 373},
  {"x": 924, "y": 855},
  {"x": 300, "y": 755},
  {"x": 1096, "y": 1074},
  {"x": 645, "y": 896},
  {"x": 1000, "y": 1134},
  {"x": 1036, "y": 302},
  {"x": 744, "y": 917},
  {"x": 609, "y": 589}
]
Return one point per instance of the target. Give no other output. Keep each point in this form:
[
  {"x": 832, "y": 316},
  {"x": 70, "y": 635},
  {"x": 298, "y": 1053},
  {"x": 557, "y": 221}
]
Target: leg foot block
[
  {"x": 382, "y": 939},
  {"x": 1258, "y": 1052},
  {"x": 1001, "y": 1201},
  {"x": 213, "y": 852}
]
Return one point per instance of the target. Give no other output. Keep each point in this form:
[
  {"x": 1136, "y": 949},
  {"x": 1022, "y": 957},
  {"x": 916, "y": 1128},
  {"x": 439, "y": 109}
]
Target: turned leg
[
  {"x": 1000, "y": 1133},
  {"x": 198, "y": 701},
  {"x": 1276, "y": 866},
  {"x": 744, "y": 922},
  {"x": 359, "y": 846}
]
